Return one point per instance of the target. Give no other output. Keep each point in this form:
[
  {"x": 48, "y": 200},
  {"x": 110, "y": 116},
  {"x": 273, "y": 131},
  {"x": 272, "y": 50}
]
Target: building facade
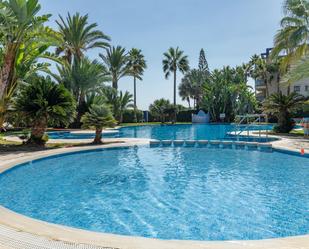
[{"x": 301, "y": 87}]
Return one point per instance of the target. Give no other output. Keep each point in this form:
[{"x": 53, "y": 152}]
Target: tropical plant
[
  {"x": 116, "y": 61},
  {"x": 293, "y": 37},
  {"x": 282, "y": 106},
  {"x": 298, "y": 71},
  {"x": 191, "y": 86},
  {"x": 265, "y": 70},
  {"x": 119, "y": 101},
  {"x": 23, "y": 40},
  {"x": 227, "y": 92},
  {"x": 43, "y": 102},
  {"x": 77, "y": 36},
  {"x": 136, "y": 66},
  {"x": 174, "y": 59},
  {"x": 98, "y": 117},
  {"x": 82, "y": 77},
  {"x": 161, "y": 109}
]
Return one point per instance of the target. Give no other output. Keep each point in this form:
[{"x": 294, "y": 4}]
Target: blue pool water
[
  {"x": 167, "y": 193},
  {"x": 161, "y": 132}
]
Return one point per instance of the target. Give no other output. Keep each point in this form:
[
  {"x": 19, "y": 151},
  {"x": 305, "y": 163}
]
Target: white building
[{"x": 301, "y": 87}]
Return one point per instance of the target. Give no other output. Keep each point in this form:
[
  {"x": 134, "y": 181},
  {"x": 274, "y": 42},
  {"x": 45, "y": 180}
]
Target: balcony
[{"x": 260, "y": 84}]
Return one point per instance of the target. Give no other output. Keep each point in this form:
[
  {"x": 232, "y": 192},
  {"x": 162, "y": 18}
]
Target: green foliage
[
  {"x": 119, "y": 101},
  {"x": 116, "y": 61},
  {"x": 23, "y": 39},
  {"x": 136, "y": 63},
  {"x": 129, "y": 116},
  {"x": 136, "y": 67},
  {"x": 283, "y": 106},
  {"x": 161, "y": 110},
  {"x": 42, "y": 102},
  {"x": 227, "y": 92},
  {"x": 98, "y": 117},
  {"x": 82, "y": 78},
  {"x": 293, "y": 36},
  {"x": 78, "y": 36},
  {"x": 203, "y": 64}
]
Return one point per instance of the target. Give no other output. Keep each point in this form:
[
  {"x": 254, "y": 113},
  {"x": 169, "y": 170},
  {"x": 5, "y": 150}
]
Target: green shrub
[{"x": 129, "y": 117}]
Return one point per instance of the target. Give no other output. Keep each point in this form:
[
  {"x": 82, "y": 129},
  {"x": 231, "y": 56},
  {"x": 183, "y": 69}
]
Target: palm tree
[
  {"x": 77, "y": 36},
  {"x": 265, "y": 70},
  {"x": 21, "y": 29},
  {"x": 174, "y": 60},
  {"x": 99, "y": 116},
  {"x": 119, "y": 101},
  {"x": 136, "y": 67},
  {"x": 282, "y": 106},
  {"x": 81, "y": 77},
  {"x": 116, "y": 61},
  {"x": 192, "y": 84},
  {"x": 298, "y": 71},
  {"x": 44, "y": 102},
  {"x": 293, "y": 37}
]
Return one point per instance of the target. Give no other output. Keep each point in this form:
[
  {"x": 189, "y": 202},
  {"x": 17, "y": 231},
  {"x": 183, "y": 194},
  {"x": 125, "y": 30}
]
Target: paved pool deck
[{"x": 21, "y": 232}]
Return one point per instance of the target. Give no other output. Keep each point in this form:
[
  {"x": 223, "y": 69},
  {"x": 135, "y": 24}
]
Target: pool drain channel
[{"x": 13, "y": 239}]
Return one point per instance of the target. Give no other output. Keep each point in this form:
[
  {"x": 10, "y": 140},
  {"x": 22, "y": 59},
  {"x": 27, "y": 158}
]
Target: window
[
  {"x": 297, "y": 89},
  {"x": 306, "y": 88}
]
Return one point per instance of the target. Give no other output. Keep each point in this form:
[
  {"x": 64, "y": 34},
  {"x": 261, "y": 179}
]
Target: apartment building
[{"x": 301, "y": 87}]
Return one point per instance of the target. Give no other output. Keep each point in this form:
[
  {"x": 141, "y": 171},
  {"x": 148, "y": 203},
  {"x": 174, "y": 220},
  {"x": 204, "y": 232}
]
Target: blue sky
[{"x": 230, "y": 31}]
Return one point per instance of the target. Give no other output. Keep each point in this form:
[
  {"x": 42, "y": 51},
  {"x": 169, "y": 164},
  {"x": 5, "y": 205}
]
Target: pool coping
[{"x": 73, "y": 235}]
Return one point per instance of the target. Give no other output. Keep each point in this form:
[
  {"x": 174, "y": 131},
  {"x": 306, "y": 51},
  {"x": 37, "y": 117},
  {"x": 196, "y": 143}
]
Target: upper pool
[
  {"x": 166, "y": 193},
  {"x": 172, "y": 132}
]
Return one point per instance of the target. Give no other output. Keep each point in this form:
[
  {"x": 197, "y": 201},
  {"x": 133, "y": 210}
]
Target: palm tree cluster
[
  {"x": 25, "y": 39},
  {"x": 226, "y": 91}
]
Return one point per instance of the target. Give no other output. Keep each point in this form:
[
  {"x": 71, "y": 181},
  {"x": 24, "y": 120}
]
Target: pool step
[{"x": 212, "y": 144}]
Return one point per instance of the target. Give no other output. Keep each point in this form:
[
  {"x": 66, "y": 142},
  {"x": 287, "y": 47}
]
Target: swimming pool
[
  {"x": 167, "y": 193},
  {"x": 164, "y": 132}
]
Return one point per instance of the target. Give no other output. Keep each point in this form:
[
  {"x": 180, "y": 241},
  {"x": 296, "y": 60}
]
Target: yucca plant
[{"x": 98, "y": 117}]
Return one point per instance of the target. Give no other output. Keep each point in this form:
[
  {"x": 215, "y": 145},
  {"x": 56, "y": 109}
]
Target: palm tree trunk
[
  {"x": 135, "y": 108},
  {"x": 7, "y": 69},
  {"x": 98, "y": 136},
  {"x": 37, "y": 132},
  {"x": 115, "y": 84},
  {"x": 175, "y": 114}
]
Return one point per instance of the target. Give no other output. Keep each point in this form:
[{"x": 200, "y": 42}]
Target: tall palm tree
[
  {"x": 174, "y": 59},
  {"x": 77, "y": 36},
  {"x": 21, "y": 27},
  {"x": 44, "y": 102},
  {"x": 116, "y": 61},
  {"x": 293, "y": 36},
  {"x": 136, "y": 67}
]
